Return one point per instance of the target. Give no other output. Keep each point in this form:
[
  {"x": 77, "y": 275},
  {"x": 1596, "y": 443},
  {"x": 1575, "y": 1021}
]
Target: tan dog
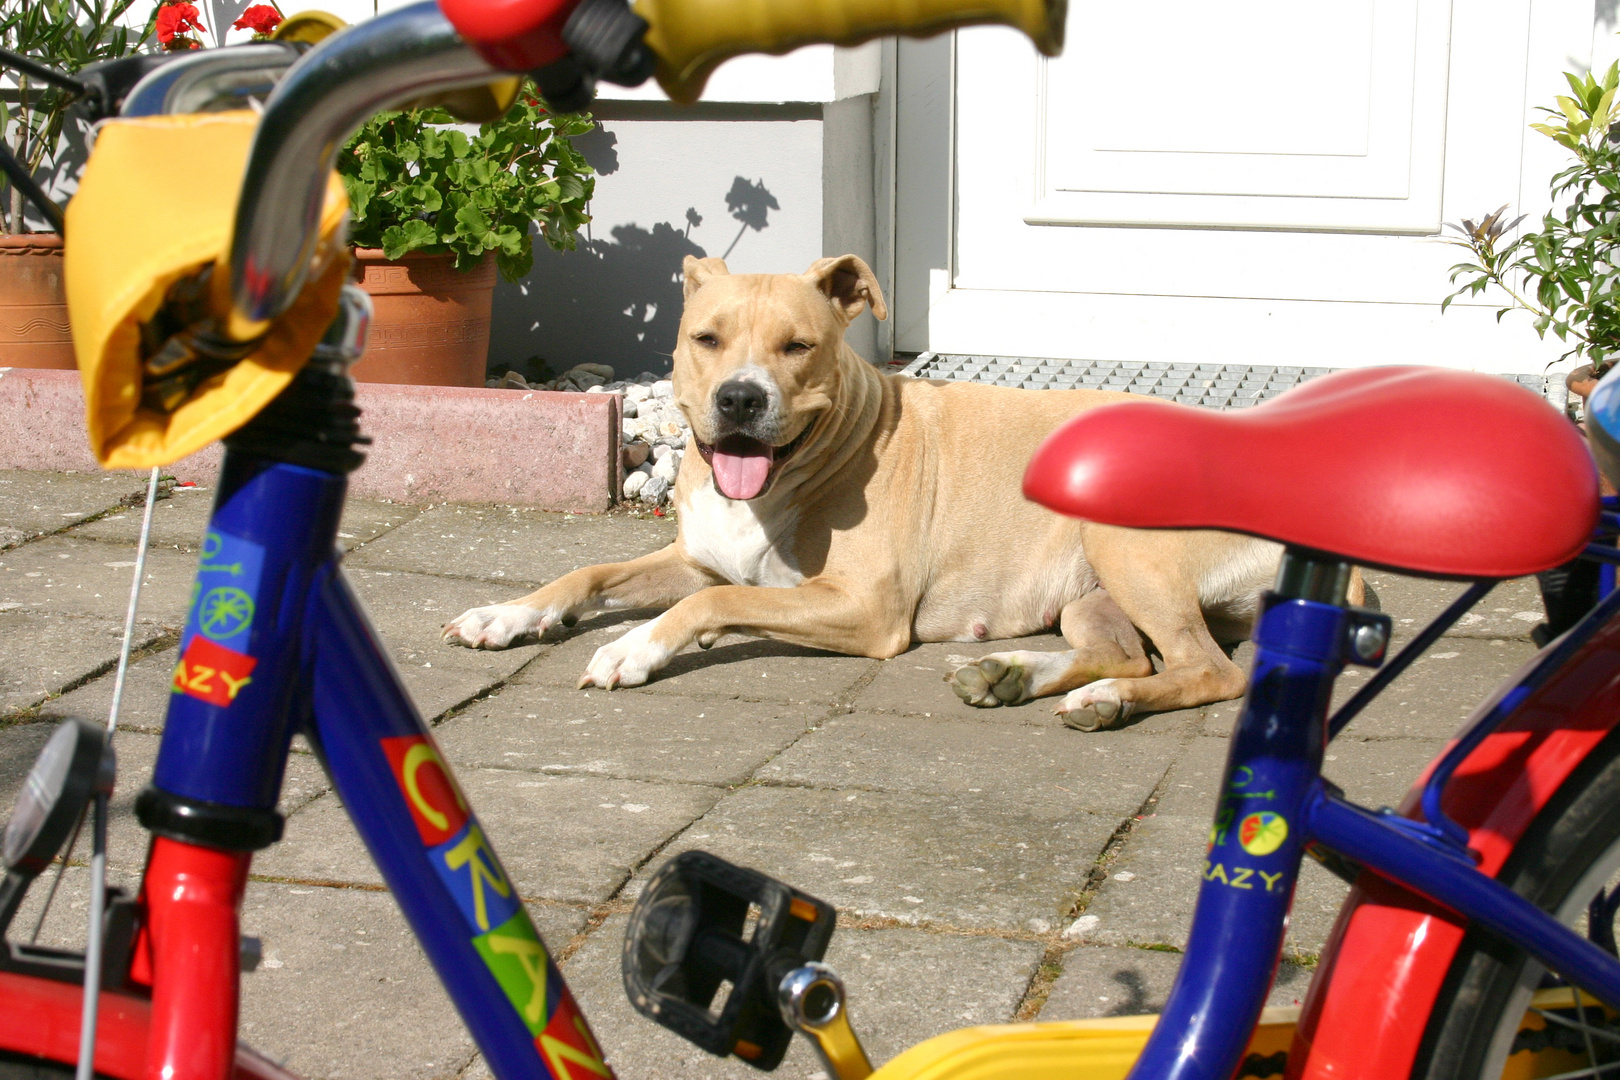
[{"x": 834, "y": 506}]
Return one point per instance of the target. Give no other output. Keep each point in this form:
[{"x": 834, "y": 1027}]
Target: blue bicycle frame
[
  {"x": 1274, "y": 803},
  {"x": 276, "y": 642}
]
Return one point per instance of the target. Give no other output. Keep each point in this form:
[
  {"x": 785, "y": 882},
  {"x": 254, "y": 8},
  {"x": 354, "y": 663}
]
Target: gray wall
[{"x": 770, "y": 188}]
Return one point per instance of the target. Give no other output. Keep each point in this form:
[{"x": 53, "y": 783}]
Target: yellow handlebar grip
[{"x": 692, "y": 37}]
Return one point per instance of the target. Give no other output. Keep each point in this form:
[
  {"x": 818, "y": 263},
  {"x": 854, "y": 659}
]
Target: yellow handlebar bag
[{"x": 157, "y": 203}]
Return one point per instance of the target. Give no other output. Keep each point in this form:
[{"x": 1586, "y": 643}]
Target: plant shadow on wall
[{"x": 617, "y": 298}]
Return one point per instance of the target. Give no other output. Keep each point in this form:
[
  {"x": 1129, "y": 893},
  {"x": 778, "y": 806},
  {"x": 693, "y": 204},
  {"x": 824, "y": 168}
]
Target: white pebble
[
  {"x": 652, "y": 492},
  {"x": 663, "y": 389},
  {"x": 665, "y": 469},
  {"x": 633, "y": 482},
  {"x": 661, "y": 451}
]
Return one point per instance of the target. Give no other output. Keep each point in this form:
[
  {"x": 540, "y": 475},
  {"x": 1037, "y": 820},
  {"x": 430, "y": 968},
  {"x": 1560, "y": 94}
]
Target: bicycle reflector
[
  {"x": 70, "y": 768},
  {"x": 707, "y": 948}
]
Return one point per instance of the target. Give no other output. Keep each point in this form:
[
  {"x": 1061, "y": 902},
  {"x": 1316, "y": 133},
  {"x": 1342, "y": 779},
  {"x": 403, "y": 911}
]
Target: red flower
[
  {"x": 174, "y": 20},
  {"x": 260, "y": 18}
]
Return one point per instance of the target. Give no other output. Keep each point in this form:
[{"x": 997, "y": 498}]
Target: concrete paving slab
[
  {"x": 43, "y": 653},
  {"x": 574, "y": 839},
  {"x": 966, "y": 861},
  {"x": 1107, "y": 772},
  {"x": 180, "y": 520},
  {"x": 1508, "y": 611},
  {"x": 146, "y": 695},
  {"x": 344, "y": 990},
  {"x": 35, "y": 503},
  {"x": 752, "y": 669},
  {"x": 407, "y": 611},
  {"x": 904, "y": 986},
  {"x": 1430, "y": 700},
  {"x": 637, "y": 736},
  {"x": 1102, "y": 981},
  {"x": 518, "y": 544},
  {"x": 1377, "y": 772},
  {"x": 83, "y": 577}
]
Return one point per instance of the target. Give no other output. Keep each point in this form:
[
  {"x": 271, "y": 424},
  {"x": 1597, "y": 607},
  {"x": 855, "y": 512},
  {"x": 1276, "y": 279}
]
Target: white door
[{"x": 1261, "y": 181}]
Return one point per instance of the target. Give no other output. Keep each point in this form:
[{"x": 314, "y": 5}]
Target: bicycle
[{"x": 276, "y": 642}]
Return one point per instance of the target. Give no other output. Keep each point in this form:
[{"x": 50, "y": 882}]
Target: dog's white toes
[
  {"x": 998, "y": 679},
  {"x": 1094, "y": 707},
  {"x": 629, "y": 661},
  {"x": 496, "y": 626}
]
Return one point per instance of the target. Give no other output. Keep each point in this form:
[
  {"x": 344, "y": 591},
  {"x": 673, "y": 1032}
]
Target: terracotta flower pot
[
  {"x": 33, "y": 308},
  {"x": 432, "y": 322}
]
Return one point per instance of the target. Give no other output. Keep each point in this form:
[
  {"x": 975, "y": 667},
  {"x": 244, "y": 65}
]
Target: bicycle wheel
[{"x": 1570, "y": 854}]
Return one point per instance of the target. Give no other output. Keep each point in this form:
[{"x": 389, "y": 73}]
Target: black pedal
[{"x": 703, "y": 924}]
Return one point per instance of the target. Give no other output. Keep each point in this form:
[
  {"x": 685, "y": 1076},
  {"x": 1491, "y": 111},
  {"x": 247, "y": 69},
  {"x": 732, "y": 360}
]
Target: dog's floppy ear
[
  {"x": 849, "y": 284},
  {"x": 698, "y": 272}
]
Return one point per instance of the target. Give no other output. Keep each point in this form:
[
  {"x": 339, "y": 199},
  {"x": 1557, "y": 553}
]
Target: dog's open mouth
[{"x": 743, "y": 466}]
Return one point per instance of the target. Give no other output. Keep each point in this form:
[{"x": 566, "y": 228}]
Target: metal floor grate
[{"x": 1220, "y": 386}]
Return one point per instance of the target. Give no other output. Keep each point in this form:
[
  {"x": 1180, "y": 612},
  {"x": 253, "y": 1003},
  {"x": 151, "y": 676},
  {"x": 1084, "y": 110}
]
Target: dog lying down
[{"x": 834, "y": 506}]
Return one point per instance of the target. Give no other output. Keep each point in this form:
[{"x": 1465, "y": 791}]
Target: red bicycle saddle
[{"x": 1440, "y": 472}]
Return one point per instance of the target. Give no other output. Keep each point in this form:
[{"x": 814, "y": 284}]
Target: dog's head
[{"x": 757, "y": 361}]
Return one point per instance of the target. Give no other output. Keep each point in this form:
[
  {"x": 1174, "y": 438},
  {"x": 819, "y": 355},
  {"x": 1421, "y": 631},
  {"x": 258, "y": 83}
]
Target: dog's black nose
[{"x": 739, "y": 401}]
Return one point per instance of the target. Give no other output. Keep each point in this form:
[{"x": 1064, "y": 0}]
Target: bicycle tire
[{"x": 1569, "y": 852}]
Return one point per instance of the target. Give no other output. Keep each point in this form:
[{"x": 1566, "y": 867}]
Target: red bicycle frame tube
[
  {"x": 1390, "y": 950},
  {"x": 193, "y": 896}
]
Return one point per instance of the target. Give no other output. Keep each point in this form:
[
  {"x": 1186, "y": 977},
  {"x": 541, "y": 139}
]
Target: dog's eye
[
  {"x": 708, "y": 340},
  {"x": 796, "y": 347}
]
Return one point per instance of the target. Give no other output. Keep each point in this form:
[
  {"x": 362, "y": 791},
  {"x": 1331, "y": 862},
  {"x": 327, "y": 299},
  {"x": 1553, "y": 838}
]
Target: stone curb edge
[{"x": 555, "y": 451}]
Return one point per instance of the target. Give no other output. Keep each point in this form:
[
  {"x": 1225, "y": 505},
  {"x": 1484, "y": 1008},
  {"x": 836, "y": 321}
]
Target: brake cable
[{"x": 98, "y": 833}]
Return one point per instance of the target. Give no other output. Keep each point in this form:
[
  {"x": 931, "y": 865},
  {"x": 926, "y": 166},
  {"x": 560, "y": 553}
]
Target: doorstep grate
[{"x": 1220, "y": 386}]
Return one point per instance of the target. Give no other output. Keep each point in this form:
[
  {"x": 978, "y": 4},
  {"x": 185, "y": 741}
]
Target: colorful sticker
[
  {"x": 224, "y": 599},
  {"x": 472, "y": 873},
  {"x": 568, "y": 1046},
  {"x": 436, "y": 803},
  {"x": 516, "y": 957},
  {"x": 1241, "y": 877},
  {"x": 212, "y": 673},
  {"x": 1262, "y": 832}
]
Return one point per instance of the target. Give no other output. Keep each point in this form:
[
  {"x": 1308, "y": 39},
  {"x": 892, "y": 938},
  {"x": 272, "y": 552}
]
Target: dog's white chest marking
[{"x": 730, "y": 539}]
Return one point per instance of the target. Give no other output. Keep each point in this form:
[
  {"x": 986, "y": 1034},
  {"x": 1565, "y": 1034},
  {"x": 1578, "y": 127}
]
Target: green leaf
[{"x": 399, "y": 239}]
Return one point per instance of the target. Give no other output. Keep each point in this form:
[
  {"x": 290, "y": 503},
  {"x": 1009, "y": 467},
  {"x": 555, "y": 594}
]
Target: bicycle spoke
[
  {"x": 1553, "y": 1017},
  {"x": 1594, "y": 1070}
]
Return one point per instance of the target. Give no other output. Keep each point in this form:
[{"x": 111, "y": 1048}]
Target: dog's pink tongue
[{"x": 742, "y": 475}]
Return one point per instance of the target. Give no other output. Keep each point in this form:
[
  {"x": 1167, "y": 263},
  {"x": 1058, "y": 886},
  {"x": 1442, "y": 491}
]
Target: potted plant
[
  {"x": 437, "y": 212},
  {"x": 38, "y": 129},
  {"x": 1565, "y": 273}
]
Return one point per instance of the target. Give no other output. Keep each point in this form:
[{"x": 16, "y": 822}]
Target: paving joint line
[
  {"x": 128, "y": 502},
  {"x": 31, "y": 713}
]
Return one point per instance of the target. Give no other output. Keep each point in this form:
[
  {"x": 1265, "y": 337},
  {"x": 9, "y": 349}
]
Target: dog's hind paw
[
  {"x": 496, "y": 627},
  {"x": 998, "y": 679},
  {"x": 1094, "y": 707}
]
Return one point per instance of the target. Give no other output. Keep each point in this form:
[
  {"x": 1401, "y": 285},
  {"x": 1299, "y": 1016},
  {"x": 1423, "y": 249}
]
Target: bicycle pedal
[{"x": 709, "y": 944}]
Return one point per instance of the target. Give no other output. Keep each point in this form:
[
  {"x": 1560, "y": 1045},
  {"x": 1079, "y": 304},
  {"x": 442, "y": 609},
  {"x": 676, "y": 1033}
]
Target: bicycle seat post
[{"x": 1304, "y": 636}]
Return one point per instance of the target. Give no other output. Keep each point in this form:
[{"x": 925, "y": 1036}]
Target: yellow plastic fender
[
  {"x": 1102, "y": 1049},
  {"x": 692, "y": 37},
  {"x": 157, "y": 203}
]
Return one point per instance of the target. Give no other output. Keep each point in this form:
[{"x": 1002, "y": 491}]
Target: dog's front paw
[
  {"x": 1094, "y": 706},
  {"x": 496, "y": 626},
  {"x": 997, "y": 679},
  {"x": 627, "y": 661}
]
